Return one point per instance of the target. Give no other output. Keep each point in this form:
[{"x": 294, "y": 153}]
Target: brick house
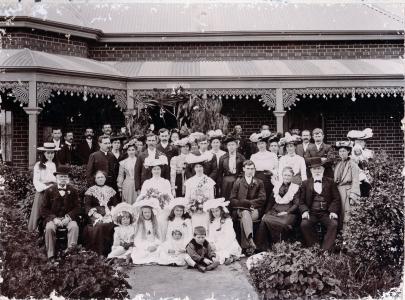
[{"x": 70, "y": 65}]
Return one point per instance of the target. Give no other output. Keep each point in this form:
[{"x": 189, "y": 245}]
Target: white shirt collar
[
  {"x": 248, "y": 179},
  {"x": 67, "y": 143}
]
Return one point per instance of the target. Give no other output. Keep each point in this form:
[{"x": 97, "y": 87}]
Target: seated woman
[
  {"x": 147, "y": 234},
  {"x": 221, "y": 234},
  {"x": 292, "y": 160},
  {"x": 199, "y": 189},
  {"x": 99, "y": 200},
  {"x": 278, "y": 222}
]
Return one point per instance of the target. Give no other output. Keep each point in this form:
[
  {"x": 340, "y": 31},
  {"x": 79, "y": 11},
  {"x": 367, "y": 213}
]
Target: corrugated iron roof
[
  {"x": 25, "y": 58},
  {"x": 189, "y": 17}
]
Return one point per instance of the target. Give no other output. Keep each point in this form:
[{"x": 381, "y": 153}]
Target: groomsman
[
  {"x": 322, "y": 150},
  {"x": 106, "y": 129},
  {"x": 302, "y": 149},
  {"x": 56, "y": 137},
  {"x": 87, "y": 147},
  {"x": 67, "y": 155},
  {"x": 141, "y": 172},
  {"x": 102, "y": 160},
  {"x": 164, "y": 145}
]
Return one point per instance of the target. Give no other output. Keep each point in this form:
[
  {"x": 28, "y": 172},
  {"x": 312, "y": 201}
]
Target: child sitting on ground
[
  {"x": 200, "y": 253},
  {"x": 179, "y": 219},
  {"x": 124, "y": 233},
  {"x": 173, "y": 251},
  {"x": 221, "y": 234}
]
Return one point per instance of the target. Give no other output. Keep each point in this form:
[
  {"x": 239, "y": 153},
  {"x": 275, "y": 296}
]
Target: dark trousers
[{"x": 309, "y": 231}]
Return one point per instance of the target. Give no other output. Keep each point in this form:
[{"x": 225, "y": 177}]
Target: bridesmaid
[
  {"x": 126, "y": 175},
  {"x": 43, "y": 178}
]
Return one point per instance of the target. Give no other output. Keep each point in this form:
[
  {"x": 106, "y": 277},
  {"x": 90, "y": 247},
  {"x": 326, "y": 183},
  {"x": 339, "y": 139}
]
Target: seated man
[
  {"x": 60, "y": 209},
  {"x": 319, "y": 202},
  {"x": 248, "y": 200}
]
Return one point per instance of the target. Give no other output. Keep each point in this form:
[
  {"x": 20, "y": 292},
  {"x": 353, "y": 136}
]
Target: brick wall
[
  {"x": 20, "y": 138},
  {"x": 383, "y": 115},
  {"x": 44, "y": 41},
  {"x": 249, "y": 113},
  {"x": 247, "y": 50}
]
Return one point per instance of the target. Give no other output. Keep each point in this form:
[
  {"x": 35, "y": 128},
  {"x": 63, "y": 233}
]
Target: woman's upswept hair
[{"x": 140, "y": 224}]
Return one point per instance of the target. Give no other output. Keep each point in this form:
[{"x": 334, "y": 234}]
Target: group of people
[{"x": 199, "y": 199}]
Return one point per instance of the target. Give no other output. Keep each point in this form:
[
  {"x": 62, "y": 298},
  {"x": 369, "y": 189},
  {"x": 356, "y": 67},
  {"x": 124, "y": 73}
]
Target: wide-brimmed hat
[
  {"x": 193, "y": 159},
  {"x": 344, "y": 144},
  {"x": 182, "y": 142},
  {"x": 360, "y": 135},
  {"x": 315, "y": 162},
  {"x": 230, "y": 138},
  {"x": 117, "y": 211},
  {"x": 150, "y": 202},
  {"x": 289, "y": 139},
  {"x": 196, "y": 137},
  {"x": 214, "y": 203},
  {"x": 215, "y": 134},
  {"x": 117, "y": 137},
  {"x": 263, "y": 136},
  {"x": 275, "y": 137},
  {"x": 153, "y": 162},
  {"x": 62, "y": 170},
  {"x": 48, "y": 147},
  {"x": 180, "y": 201}
]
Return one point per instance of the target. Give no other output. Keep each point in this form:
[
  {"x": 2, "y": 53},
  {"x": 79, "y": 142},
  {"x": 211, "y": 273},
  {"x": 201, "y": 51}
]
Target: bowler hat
[
  {"x": 315, "y": 162},
  {"x": 62, "y": 170}
]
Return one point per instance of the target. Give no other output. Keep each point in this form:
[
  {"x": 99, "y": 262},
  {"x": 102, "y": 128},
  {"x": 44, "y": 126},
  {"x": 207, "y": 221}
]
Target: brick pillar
[{"x": 279, "y": 113}]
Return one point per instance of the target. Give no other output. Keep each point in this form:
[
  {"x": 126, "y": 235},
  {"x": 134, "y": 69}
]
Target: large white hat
[
  {"x": 215, "y": 134},
  {"x": 195, "y": 159},
  {"x": 290, "y": 139},
  {"x": 214, "y": 203},
  {"x": 121, "y": 207},
  {"x": 178, "y": 202},
  {"x": 153, "y": 162},
  {"x": 264, "y": 136},
  {"x": 150, "y": 202},
  {"x": 360, "y": 135},
  {"x": 182, "y": 142}
]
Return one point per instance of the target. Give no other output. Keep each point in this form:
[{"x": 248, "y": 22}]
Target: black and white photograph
[{"x": 202, "y": 149}]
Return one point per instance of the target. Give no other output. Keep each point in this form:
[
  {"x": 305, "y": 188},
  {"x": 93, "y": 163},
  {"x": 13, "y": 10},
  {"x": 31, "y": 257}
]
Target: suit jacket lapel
[{"x": 310, "y": 192}]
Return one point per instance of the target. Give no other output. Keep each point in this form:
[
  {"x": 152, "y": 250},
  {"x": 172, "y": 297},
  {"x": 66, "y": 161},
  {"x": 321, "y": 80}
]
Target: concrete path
[{"x": 158, "y": 282}]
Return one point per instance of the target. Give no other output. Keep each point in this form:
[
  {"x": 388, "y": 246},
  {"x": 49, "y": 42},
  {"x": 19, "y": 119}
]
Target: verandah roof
[{"x": 17, "y": 60}]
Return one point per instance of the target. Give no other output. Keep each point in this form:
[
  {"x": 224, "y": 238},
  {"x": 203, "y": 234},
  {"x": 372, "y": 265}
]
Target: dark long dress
[
  {"x": 277, "y": 228},
  {"x": 98, "y": 236}
]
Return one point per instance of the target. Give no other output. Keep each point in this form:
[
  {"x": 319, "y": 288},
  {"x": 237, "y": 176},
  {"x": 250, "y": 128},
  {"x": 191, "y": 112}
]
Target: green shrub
[{"x": 289, "y": 271}]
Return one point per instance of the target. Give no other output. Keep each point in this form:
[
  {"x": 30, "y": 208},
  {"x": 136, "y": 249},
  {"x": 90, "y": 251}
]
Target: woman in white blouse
[
  {"x": 43, "y": 178},
  {"x": 293, "y": 160},
  {"x": 266, "y": 162},
  {"x": 126, "y": 175}
]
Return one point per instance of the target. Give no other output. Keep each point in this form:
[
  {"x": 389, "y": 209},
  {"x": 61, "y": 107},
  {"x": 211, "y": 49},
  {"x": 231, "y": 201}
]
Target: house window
[{"x": 6, "y": 135}]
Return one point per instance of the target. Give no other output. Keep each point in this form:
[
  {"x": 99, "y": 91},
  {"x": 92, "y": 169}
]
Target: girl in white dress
[
  {"x": 147, "y": 234},
  {"x": 199, "y": 189},
  {"x": 43, "y": 178},
  {"x": 221, "y": 234},
  {"x": 124, "y": 233},
  {"x": 126, "y": 175},
  {"x": 179, "y": 219},
  {"x": 292, "y": 160}
]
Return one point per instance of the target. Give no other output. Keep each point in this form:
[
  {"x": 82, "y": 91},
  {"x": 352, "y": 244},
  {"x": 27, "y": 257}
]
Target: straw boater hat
[
  {"x": 120, "y": 208},
  {"x": 178, "y": 202},
  {"x": 48, "y": 147},
  {"x": 344, "y": 144},
  {"x": 215, "y": 134},
  {"x": 263, "y": 136},
  {"x": 315, "y": 162},
  {"x": 62, "y": 170},
  {"x": 289, "y": 139},
  {"x": 150, "y": 202},
  {"x": 360, "y": 135},
  {"x": 153, "y": 162},
  {"x": 214, "y": 203}
]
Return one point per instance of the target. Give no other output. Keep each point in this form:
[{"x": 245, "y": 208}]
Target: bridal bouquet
[
  {"x": 197, "y": 201},
  {"x": 154, "y": 193}
]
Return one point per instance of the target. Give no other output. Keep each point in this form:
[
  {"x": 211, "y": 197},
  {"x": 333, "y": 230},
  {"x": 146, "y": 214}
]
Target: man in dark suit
[
  {"x": 164, "y": 145},
  {"x": 247, "y": 203},
  {"x": 319, "y": 202},
  {"x": 302, "y": 149},
  {"x": 141, "y": 172},
  {"x": 67, "y": 155},
  {"x": 210, "y": 166},
  {"x": 87, "y": 147},
  {"x": 322, "y": 150},
  {"x": 106, "y": 129},
  {"x": 102, "y": 160},
  {"x": 56, "y": 137},
  {"x": 60, "y": 209},
  {"x": 243, "y": 145},
  {"x": 230, "y": 167}
]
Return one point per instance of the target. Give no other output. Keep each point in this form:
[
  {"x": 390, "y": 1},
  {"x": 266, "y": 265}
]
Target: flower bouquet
[
  {"x": 154, "y": 193},
  {"x": 197, "y": 202}
]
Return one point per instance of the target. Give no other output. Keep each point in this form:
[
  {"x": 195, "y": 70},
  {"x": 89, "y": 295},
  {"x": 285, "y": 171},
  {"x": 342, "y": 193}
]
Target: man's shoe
[
  {"x": 213, "y": 266},
  {"x": 200, "y": 268}
]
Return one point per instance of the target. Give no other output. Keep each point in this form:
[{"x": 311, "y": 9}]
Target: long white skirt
[{"x": 140, "y": 255}]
